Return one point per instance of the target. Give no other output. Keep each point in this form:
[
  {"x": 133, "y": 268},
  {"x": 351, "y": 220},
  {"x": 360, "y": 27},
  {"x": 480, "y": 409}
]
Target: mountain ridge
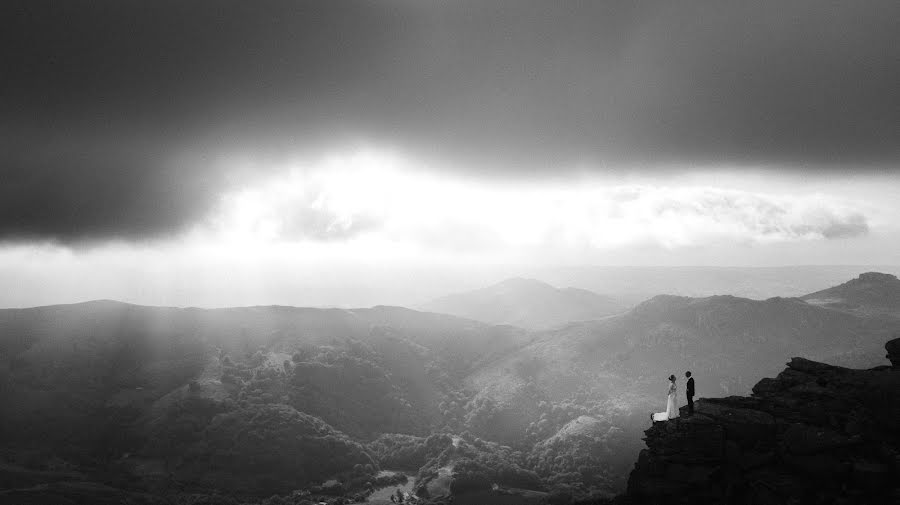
[
  {"x": 528, "y": 303},
  {"x": 871, "y": 293},
  {"x": 727, "y": 342}
]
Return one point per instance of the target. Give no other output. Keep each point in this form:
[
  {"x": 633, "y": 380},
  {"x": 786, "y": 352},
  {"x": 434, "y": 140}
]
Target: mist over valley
[{"x": 256, "y": 401}]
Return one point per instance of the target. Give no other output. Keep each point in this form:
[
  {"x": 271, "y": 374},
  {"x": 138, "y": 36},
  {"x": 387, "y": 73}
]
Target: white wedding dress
[{"x": 671, "y": 409}]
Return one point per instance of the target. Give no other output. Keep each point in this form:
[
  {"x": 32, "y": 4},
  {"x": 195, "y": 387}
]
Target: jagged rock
[
  {"x": 817, "y": 433},
  {"x": 682, "y": 453},
  {"x": 893, "y": 352},
  {"x": 804, "y": 439},
  {"x": 743, "y": 425},
  {"x": 809, "y": 366}
]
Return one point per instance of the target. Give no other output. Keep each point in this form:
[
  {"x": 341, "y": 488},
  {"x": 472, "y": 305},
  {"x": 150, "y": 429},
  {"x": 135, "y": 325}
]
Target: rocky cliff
[{"x": 814, "y": 434}]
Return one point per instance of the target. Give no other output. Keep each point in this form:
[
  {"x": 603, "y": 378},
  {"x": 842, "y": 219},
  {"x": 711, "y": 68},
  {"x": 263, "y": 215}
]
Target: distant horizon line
[{"x": 418, "y": 308}]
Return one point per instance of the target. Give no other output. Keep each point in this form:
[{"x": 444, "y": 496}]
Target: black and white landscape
[
  {"x": 345, "y": 252},
  {"x": 171, "y": 403}
]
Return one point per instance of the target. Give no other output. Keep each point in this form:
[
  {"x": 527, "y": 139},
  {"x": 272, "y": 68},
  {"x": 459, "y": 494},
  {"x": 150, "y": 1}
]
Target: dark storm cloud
[
  {"x": 521, "y": 87},
  {"x": 82, "y": 194}
]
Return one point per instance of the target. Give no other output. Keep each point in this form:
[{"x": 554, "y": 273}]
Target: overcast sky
[{"x": 149, "y": 140}]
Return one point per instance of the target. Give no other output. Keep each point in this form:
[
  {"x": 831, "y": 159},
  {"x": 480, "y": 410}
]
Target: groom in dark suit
[{"x": 690, "y": 393}]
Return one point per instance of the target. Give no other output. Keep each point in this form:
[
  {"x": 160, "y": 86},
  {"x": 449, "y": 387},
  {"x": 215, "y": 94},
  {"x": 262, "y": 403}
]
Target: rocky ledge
[
  {"x": 815, "y": 434},
  {"x": 893, "y": 352}
]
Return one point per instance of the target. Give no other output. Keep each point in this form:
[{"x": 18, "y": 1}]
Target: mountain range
[
  {"x": 727, "y": 342},
  {"x": 527, "y": 303},
  {"x": 634, "y": 284},
  {"x": 255, "y": 401}
]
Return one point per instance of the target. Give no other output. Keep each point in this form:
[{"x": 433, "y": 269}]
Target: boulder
[{"x": 893, "y": 352}]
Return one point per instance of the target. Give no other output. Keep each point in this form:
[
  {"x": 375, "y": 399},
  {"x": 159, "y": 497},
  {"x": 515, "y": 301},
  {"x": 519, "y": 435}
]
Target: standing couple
[{"x": 671, "y": 408}]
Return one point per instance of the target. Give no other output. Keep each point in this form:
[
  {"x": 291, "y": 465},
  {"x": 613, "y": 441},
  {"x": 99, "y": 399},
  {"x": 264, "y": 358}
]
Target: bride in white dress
[{"x": 671, "y": 409}]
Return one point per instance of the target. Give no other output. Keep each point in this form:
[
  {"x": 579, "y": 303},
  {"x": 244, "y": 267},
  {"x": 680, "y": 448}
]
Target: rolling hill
[
  {"x": 90, "y": 382},
  {"x": 527, "y": 303}
]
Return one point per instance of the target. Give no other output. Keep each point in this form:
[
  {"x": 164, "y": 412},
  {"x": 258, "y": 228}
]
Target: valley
[{"x": 278, "y": 404}]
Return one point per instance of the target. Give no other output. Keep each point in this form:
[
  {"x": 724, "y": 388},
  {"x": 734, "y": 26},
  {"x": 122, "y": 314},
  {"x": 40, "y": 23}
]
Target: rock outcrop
[
  {"x": 893, "y": 352},
  {"x": 815, "y": 434}
]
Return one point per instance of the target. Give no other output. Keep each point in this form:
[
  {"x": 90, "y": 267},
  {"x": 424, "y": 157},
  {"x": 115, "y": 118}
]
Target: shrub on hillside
[
  {"x": 271, "y": 448},
  {"x": 393, "y": 450}
]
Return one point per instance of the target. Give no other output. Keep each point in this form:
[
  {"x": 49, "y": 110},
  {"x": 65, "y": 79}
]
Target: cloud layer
[
  {"x": 101, "y": 101},
  {"x": 77, "y": 192},
  {"x": 369, "y": 198}
]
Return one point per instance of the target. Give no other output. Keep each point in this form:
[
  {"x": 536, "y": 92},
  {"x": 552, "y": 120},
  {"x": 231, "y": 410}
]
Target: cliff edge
[{"x": 814, "y": 434}]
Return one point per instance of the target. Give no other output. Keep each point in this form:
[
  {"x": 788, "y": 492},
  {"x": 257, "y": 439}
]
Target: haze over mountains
[
  {"x": 527, "y": 303},
  {"x": 728, "y": 343},
  {"x": 256, "y": 401},
  {"x": 634, "y": 284},
  {"x": 349, "y": 286}
]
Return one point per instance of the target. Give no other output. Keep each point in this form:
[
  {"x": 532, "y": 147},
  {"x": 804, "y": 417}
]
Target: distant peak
[
  {"x": 98, "y": 303},
  {"x": 662, "y": 302},
  {"x": 668, "y": 299},
  {"x": 523, "y": 282},
  {"x": 877, "y": 277}
]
